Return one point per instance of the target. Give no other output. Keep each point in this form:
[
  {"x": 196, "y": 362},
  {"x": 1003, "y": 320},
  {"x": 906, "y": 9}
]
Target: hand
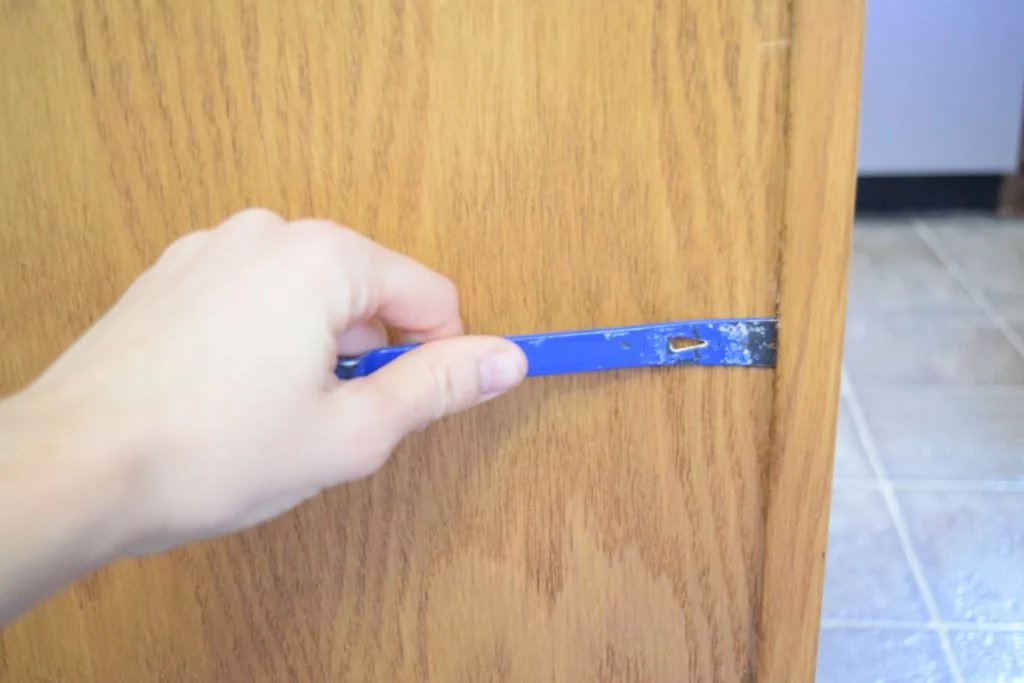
[{"x": 211, "y": 381}]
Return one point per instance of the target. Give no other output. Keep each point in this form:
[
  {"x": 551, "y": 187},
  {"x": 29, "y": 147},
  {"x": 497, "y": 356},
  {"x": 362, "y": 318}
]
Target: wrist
[{"x": 66, "y": 485}]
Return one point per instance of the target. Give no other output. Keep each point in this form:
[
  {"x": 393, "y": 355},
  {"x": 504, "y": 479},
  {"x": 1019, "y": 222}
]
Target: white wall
[{"x": 943, "y": 87}]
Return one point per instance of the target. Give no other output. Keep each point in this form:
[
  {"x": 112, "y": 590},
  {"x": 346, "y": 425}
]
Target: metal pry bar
[{"x": 748, "y": 342}]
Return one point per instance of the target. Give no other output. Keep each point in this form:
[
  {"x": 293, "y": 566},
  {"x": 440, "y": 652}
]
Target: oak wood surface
[
  {"x": 568, "y": 164},
  {"x": 1011, "y": 190},
  {"x": 823, "y": 103}
]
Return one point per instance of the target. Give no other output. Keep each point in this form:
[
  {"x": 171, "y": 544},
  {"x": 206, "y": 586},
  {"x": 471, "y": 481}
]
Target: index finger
[{"x": 420, "y": 303}]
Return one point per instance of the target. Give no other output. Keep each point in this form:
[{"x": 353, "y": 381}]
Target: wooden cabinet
[{"x": 568, "y": 164}]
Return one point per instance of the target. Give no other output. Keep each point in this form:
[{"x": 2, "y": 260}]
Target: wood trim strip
[
  {"x": 1011, "y": 191},
  {"x": 1011, "y": 197},
  {"x": 817, "y": 216}
]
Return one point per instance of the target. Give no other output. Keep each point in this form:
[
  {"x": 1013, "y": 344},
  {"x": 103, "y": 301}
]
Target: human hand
[{"x": 213, "y": 375}]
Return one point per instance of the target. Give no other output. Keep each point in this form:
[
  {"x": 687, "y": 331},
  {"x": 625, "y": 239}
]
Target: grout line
[
  {"x": 942, "y": 314},
  {"x": 847, "y": 484},
  {"x": 997, "y": 318},
  {"x": 941, "y": 485},
  {"x": 939, "y": 390},
  {"x": 879, "y": 624},
  {"x": 867, "y": 440},
  {"x": 987, "y": 627},
  {"x": 957, "y": 486},
  {"x": 901, "y": 625}
]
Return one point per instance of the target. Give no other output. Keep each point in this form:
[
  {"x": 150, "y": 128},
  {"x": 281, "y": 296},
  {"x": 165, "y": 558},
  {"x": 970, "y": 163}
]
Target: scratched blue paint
[{"x": 742, "y": 341}]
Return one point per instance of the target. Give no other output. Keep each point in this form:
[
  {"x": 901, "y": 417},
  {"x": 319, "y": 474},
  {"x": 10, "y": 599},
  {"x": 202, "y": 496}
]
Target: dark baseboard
[
  {"x": 898, "y": 194},
  {"x": 1011, "y": 198}
]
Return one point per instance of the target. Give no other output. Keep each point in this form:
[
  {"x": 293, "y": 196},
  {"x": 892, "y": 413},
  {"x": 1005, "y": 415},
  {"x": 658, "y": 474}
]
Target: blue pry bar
[{"x": 746, "y": 342}]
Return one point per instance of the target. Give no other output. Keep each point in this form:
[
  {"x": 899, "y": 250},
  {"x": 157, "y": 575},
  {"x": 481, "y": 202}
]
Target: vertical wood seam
[{"x": 823, "y": 87}]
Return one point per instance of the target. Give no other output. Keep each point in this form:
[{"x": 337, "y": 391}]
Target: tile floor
[{"x": 924, "y": 578}]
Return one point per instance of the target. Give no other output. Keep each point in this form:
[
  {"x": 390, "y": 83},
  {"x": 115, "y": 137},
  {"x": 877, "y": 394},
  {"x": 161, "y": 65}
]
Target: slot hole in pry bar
[{"x": 679, "y": 344}]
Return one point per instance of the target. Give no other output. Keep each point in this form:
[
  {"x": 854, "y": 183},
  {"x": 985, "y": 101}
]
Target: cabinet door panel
[{"x": 568, "y": 164}]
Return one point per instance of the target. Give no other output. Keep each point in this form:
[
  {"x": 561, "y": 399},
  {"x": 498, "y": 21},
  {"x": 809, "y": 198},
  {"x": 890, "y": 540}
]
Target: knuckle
[
  {"x": 249, "y": 223},
  {"x": 325, "y": 239},
  {"x": 185, "y": 245},
  {"x": 256, "y": 216},
  {"x": 323, "y": 228},
  {"x": 450, "y": 292},
  {"x": 446, "y": 390},
  {"x": 190, "y": 240}
]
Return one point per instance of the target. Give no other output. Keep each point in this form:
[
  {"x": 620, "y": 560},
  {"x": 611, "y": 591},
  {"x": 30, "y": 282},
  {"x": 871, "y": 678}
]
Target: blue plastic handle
[{"x": 739, "y": 341}]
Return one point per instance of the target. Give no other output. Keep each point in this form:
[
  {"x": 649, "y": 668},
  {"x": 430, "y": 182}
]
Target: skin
[{"x": 205, "y": 402}]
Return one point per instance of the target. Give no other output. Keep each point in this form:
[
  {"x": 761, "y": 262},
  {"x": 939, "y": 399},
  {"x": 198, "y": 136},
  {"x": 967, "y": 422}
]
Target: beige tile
[
  {"x": 1018, "y": 327},
  {"x": 971, "y": 549},
  {"x": 851, "y": 461},
  {"x": 958, "y": 436},
  {"x": 893, "y": 270},
  {"x": 855, "y": 655},
  {"x": 990, "y": 656},
  {"x": 990, "y": 255},
  {"x": 929, "y": 350},
  {"x": 867, "y": 575}
]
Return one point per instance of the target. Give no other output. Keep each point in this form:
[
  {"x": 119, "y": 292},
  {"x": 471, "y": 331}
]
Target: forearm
[{"x": 59, "y": 500}]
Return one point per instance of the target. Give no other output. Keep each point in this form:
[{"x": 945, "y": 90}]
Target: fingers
[
  {"x": 184, "y": 248},
  {"x": 362, "y": 337},
  {"x": 437, "y": 379},
  {"x": 362, "y": 280},
  {"x": 406, "y": 295},
  {"x": 365, "y": 280}
]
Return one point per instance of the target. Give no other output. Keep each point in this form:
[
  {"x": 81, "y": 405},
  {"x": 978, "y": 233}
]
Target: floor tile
[
  {"x": 850, "y": 460},
  {"x": 951, "y": 436},
  {"x": 971, "y": 548},
  {"x": 879, "y": 656},
  {"x": 866, "y": 572},
  {"x": 893, "y": 270},
  {"x": 895, "y": 349},
  {"x": 990, "y": 254},
  {"x": 987, "y": 657}
]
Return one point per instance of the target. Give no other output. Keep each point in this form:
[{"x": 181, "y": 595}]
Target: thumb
[{"x": 435, "y": 379}]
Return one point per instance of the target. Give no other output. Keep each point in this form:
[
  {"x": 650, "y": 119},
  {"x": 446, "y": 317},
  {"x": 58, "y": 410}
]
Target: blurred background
[{"x": 925, "y": 565}]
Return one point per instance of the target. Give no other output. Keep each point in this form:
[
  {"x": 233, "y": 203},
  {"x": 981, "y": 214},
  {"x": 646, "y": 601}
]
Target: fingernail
[{"x": 500, "y": 371}]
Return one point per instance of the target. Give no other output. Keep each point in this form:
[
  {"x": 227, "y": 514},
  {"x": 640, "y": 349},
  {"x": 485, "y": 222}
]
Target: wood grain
[
  {"x": 824, "y": 97},
  {"x": 568, "y": 164},
  {"x": 1011, "y": 190}
]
